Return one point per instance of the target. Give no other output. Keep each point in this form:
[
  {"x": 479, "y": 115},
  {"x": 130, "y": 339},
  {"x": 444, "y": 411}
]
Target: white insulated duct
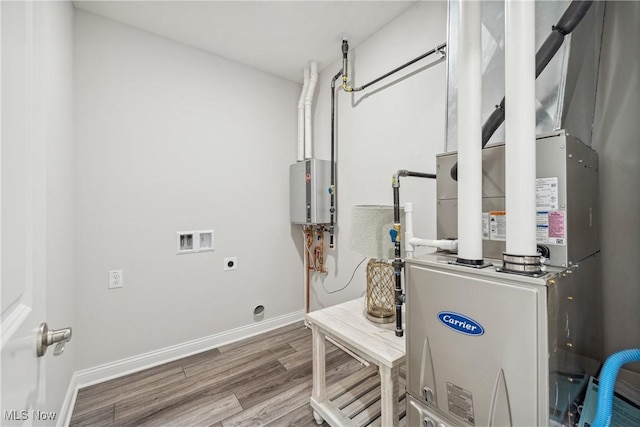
[
  {"x": 470, "y": 133},
  {"x": 520, "y": 128},
  {"x": 303, "y": 94},
  {"x": 308, "y": 104}
]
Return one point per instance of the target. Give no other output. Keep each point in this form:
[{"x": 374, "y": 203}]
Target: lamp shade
[{"x": 370, "y": 225}]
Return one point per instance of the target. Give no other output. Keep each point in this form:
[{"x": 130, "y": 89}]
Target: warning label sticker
[
  {"x": 460, "y": 403},
  {"x": 556, "y": 227},
  {"x": 547, "y": 194},
  {"x": 497, "y": 225},
  {"x": 485, "y": 226},
  {"x": 542, "y": 227},
  {"x": 550, "y": 227}
]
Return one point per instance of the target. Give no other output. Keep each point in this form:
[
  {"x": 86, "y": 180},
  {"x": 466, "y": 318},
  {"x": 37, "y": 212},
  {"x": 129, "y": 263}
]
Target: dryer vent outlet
[{"x": 231, "y": 263}]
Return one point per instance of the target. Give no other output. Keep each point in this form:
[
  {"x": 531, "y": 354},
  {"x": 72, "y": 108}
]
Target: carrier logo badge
[{"x": 460, "y": 323}]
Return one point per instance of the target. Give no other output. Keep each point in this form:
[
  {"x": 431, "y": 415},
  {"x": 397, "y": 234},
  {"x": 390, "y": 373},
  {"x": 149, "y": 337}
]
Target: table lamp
[{"x": 370, "y": 225}]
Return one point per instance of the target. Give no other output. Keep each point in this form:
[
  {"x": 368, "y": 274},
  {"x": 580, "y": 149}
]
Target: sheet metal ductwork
[{"x": 565, "y": 90}]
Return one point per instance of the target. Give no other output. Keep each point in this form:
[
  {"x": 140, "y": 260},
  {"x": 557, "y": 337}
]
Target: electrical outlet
[
  {"x": 116, "y": 279},
  {"x": 231, "y": 263}
]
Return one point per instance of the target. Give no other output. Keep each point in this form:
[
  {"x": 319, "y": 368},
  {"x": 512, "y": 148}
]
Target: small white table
[{"x": 377, "y": 344}]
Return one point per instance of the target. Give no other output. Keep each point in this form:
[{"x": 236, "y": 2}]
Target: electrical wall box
[
  {"x": 206, "y": 241},
  {"x": 186, "y": 242},
  {"x": 567, "y": 197},
  {"x": 190, "y": 242},
  {"x": 309, "y": 183}
]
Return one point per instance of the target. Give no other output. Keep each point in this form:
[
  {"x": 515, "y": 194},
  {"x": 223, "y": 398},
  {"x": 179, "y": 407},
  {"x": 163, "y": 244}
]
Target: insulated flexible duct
[
  {"x": 567, "y": 23},
  {"x": 608, "y": 382}
]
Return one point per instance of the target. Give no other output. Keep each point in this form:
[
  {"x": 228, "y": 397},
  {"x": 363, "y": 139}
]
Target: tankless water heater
[{"x": 309, "y": 183}]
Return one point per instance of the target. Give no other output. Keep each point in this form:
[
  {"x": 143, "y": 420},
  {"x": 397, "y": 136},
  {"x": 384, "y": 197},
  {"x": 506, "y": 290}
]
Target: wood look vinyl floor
[{"x": 261, "y": 381}]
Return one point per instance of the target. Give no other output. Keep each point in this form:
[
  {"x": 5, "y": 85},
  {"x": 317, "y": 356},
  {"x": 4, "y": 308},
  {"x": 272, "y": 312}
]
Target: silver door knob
[{"x": 47, "y": 337}]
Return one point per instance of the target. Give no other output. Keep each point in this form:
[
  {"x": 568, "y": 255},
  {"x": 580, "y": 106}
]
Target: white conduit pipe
[
  {"x": 305, "y": 86},
  {"x": 470, "y": 133},
  {"x": 411, "y": 242},
  {"x": 520, "y": 128},
  {"x": 308, "y": 103},
  {"x": 408, "y": 234},
  {"x": 444, "y": 245}
]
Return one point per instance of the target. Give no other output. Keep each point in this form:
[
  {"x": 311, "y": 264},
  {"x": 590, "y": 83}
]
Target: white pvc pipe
[
  {"x": 408, "y": 234},
  {"x": 410, "y": 241},
  {"x": 520, "y": 127},
  {"x": 445, "y": 245},
  {"x": 305, "y": 86},
  {"x": 308, "y": 103},
  {"x": 470, "y": 131}
]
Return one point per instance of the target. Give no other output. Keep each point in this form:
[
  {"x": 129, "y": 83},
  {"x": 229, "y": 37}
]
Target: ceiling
[{"x": 279, "y": 37}]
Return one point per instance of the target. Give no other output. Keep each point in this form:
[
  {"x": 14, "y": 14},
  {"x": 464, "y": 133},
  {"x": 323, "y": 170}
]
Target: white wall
[
  {"x": 616, "y": 138},
  {"x": 53, "y": 125},
  {"x": 396, "y": 124},
  {"x": 170, "y": 138}
]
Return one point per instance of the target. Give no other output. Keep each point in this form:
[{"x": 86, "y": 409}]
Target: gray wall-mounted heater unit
[{"x": 309, "y": 183}]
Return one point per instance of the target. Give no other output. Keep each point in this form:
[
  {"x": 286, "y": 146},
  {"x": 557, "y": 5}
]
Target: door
[{"x": 22, "y": 217}]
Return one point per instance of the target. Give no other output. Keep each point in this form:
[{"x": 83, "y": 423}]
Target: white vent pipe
[
  {"x": 411, "y": 242},
  {"x": 520, "y": 128},
  {"x": 308, "y": 103},
  {"x": 305, "y": 86},
  {"x": 470, "y": 133},
  {"x": 408, "y": 234}
]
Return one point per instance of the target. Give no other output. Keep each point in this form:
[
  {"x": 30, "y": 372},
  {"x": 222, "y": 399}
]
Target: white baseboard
[
  {"x": 64, "y": 416},
  {"x": 119, "y": 368}
]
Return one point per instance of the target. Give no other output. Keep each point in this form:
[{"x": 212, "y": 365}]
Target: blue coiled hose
[{"x": 607, "y": 383}]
